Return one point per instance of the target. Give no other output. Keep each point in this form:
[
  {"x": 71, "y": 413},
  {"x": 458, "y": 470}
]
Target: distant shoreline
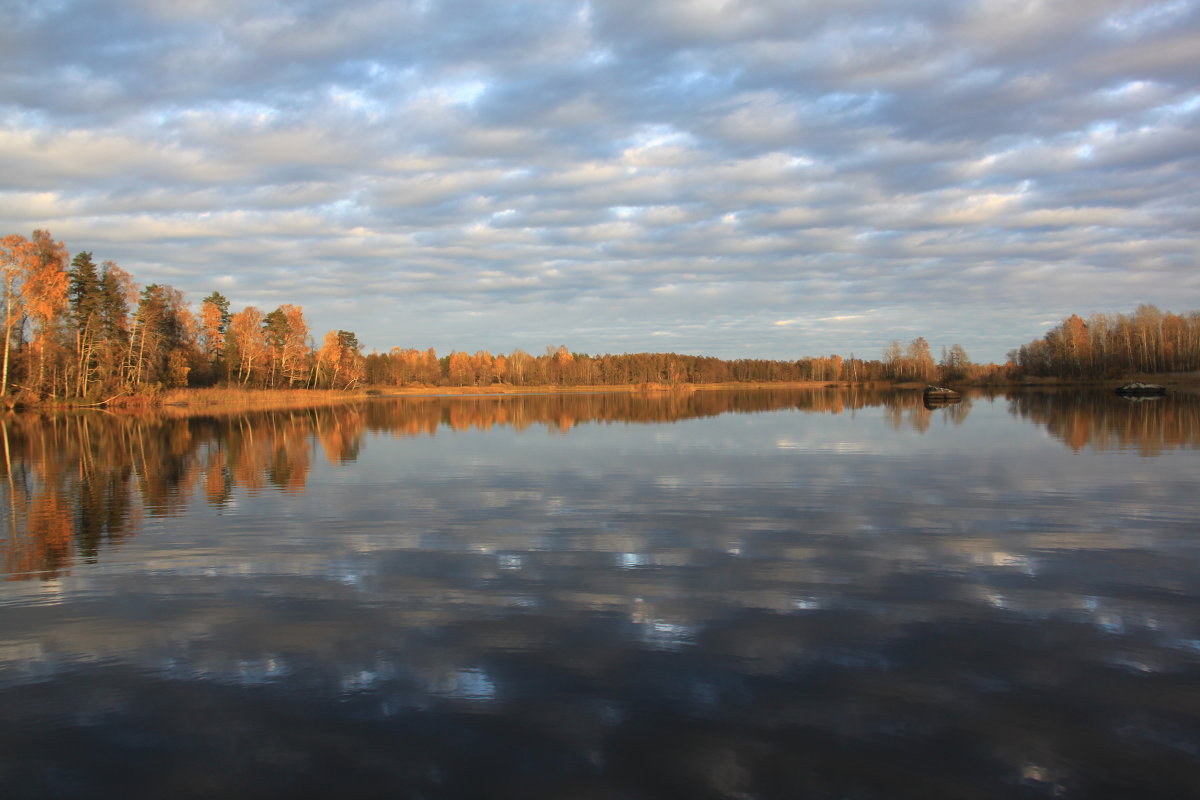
[
  {"x": 220, "y": 398},
  {"x": 217, "y": 398},
  {"x": 236, "y": 398}
]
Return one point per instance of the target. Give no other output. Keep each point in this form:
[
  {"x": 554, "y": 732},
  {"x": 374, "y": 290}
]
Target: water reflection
[
  {"x": 80, "y": 481},
  {"x": 1105, "y": 421},
  {"x": 76, "y": 483},
  {"x": 864, "y": 599}
]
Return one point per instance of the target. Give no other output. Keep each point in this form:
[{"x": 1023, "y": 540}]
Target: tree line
[
  {"x": 1113, "y": 345},
  {"x": 561, "y": 367},
  {"x": 74, "y": 328},
  {"x": 77, "y": 329}
]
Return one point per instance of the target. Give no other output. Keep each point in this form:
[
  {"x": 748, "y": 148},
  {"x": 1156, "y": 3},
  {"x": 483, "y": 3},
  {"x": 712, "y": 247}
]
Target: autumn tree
[
  {"x": 246, "y": 346},
  {"x": 286, "y": 334},
  {"x": 340, "y": 363},
  {"x": 458, "y": 369},
  {"x": 297, "y": 346},
  {"x": 560, "y": 360},
  {"x": 483, "y": 367},
  {"x": 920, "y": 360},
  {"x": 893, "y": 360},
  {"x": 163, "y": 331},
  {"x": 117, "y": 293},
  {"x": 1147, "y": 340},
  {"x": 954, "y": 365},
  {"x": 17, "y": 256},
  {"x": 400, "y": 367},
  {"x": 214, "y": 322},
  {"x": 45, "y": 290},
  {"x": 518, "y": 366}
]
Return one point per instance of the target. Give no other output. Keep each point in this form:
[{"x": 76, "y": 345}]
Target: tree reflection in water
[
  {"x": 1105, "y": 421},
  {"x": 803, "y": 616},
  {"x": 79, "y": 482}
]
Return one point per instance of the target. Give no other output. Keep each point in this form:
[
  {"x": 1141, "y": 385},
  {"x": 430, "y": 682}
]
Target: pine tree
[{"x": 85, "y": 298}]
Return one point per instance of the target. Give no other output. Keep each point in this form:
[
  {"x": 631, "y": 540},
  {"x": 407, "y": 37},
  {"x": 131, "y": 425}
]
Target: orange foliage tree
[{"x": 17, "y": 256}]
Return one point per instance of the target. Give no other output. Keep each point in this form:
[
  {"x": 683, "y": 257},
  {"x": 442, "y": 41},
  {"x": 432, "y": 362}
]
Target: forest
[
  {"x": 75, "y": 329},
  {"x": 82, "y": 331},
  {"x": 1113, "y": 345}
]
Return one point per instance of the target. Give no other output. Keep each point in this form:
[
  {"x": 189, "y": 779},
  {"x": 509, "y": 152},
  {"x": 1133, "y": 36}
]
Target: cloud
[{"x": 755, "y": 179}]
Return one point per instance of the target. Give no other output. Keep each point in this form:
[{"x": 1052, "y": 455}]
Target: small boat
[{"x": 1139, "y": 389}]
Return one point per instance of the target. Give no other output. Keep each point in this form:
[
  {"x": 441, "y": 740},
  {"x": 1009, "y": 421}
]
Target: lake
[{"x": 726, "y": 594}]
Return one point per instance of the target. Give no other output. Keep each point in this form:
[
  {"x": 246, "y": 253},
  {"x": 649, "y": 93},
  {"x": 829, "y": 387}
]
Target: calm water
[{"x": 718, "y": 595}]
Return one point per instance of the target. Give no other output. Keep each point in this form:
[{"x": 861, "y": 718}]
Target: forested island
[{"x": 82, "y": 332}]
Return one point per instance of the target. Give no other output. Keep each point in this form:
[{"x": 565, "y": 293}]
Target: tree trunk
[{"x": 7, "y": 344}]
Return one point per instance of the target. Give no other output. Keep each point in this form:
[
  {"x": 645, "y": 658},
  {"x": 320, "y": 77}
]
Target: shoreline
[{"x": 234, "y": 399}]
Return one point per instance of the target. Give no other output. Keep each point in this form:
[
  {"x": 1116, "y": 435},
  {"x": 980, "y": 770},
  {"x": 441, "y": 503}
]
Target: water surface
[{"x": 768, "y": 594}]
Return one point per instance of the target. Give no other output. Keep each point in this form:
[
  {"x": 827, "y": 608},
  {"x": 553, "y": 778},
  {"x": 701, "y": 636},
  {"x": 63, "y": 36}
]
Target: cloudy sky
[{"x": 762, "y": 179}]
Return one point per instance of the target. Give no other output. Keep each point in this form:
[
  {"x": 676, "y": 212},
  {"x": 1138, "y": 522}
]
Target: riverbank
[
  {"x": 283, "y": 398},
  {"x": 1175, "y": 381},
  {"x": 236, "y": 398},
  {"x": 634, "y": 388}
]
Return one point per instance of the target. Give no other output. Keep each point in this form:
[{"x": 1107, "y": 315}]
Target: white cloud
[{"x": 752, "y": 179}]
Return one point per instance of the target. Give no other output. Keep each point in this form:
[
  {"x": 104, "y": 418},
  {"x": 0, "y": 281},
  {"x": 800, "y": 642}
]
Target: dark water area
[{"x": 760, "y": 594}]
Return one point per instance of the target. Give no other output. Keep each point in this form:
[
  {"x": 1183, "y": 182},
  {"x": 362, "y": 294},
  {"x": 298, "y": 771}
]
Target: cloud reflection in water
[{"x": 943, "y": 608}]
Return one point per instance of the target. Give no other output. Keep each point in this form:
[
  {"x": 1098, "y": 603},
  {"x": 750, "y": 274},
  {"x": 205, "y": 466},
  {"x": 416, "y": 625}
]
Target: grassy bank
[
  {"x": 217, "y": 398},
  {"x": 1187, "y": 381},
  {"x": 213, "y": 399},
  {"x": 233, "y": 399},
  {"x": 647, "y": 388}
]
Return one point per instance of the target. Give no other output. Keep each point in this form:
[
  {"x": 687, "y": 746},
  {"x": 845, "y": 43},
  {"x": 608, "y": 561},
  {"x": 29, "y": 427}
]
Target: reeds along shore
[{"x": 240, "y": 398}]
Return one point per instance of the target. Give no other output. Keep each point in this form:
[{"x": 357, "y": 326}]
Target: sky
[{"x": 771, "y": 179}]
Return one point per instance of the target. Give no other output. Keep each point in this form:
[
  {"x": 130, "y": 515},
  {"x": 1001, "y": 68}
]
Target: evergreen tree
[
  {"x": 85, "y": 300},
  {"x": 83, "y": 291}
]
